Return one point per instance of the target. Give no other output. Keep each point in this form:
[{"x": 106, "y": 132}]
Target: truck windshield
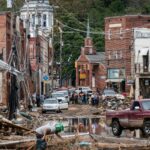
[{"x": 146, "y": 105}]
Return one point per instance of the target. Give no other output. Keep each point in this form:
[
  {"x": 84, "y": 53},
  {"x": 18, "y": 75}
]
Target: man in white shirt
[{"x": 52, "y": 127}]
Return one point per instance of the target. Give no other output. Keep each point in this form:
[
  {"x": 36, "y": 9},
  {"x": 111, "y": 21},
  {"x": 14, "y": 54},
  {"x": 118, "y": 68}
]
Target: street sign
[{"x": 46, "y": 77}]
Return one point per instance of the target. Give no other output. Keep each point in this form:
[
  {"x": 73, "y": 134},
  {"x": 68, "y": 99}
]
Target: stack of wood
[{"x": 121, "y": 143}]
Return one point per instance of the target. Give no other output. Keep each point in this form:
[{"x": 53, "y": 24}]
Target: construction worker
[{"x": 52, "y": 127}]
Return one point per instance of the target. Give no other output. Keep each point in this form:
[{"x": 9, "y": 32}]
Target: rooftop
[
  {"x": 127, "y": 16},
  {"x": 98, "y": 58}
]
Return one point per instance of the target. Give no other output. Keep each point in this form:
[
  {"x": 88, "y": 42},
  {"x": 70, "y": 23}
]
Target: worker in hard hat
[{"x": 52, "y": 127}]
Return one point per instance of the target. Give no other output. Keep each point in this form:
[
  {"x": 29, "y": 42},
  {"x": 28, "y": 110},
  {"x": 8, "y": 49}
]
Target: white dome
[{"x": 40, "y": 13}]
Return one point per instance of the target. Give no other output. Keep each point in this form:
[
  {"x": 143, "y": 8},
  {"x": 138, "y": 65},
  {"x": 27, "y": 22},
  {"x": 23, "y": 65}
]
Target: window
[
  {"x": 33, "y": 20},
  {"x": 119, "y": 54},
  {"x": 39, "y": 20},
  {"x": 109, "y": 55},
  {"x": 109, "y": 34},
  {"x": 121, "y": 34},
  {"x": 114, "y": 55},
  {"x": 145, "y": 63},
  {"x": 44, "y": 20},
  {"x": 135, "y": 104}
]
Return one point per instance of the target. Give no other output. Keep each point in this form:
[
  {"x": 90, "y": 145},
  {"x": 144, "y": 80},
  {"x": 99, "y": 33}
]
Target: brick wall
[
  {"x": 119, "y": 41},
  {"x": 5, "y": 47}
]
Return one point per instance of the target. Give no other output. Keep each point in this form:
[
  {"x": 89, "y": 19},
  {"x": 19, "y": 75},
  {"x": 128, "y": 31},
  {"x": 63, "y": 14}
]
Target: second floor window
[
  {"x": 33, "y": 20},
  {"x": 145, "y": 63},
  {"x": 44, "y": 20}
]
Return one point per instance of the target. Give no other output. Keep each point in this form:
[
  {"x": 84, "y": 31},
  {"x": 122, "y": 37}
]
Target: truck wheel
[
  {"x": 146, "y": 128},
  {"x": 116, "y": 128}
]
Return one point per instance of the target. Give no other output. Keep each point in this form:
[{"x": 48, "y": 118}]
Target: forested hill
[{"x": 73, "y": 15}]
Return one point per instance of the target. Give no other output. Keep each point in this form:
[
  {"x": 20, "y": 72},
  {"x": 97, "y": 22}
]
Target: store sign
[
  {"x": 82, "y": 76},
  {"x": 142, "y": 34},
  {"x": 46, "y": 77}
]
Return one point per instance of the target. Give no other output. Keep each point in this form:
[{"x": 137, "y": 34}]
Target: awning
[
  {"x": 114, "y": 80},
  {"x": 144, "y": 51}
]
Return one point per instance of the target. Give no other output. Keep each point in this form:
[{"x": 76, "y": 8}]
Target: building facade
[
  {"x": 90, "y": 67},
  {"x": 142, "y": 62},
  {"x": 40, "y": 16},
  {"x": 119, "y": 49},
  {"x": 12, "y": 46},
  {"x": 5, "y": 47}
]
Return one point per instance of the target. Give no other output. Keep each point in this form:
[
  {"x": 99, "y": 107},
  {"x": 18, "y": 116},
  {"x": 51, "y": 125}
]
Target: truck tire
[
  {"x": 116, "y": 128},
  {"x": 146, "y": 128}
]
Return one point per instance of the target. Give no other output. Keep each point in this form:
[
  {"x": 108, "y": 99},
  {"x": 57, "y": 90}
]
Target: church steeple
[
  {"x": 88, "y": 44},
  {"x": 88, "y": 29}
]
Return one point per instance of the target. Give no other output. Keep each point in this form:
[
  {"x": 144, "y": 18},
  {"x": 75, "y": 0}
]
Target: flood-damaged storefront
[{"x": 142, "y": 62}]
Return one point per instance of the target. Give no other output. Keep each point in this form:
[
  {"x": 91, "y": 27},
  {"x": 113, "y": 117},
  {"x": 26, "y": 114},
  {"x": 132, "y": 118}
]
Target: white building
[
  {"x": 40, "y": 13},
  {"x": 142, "y": 61}
]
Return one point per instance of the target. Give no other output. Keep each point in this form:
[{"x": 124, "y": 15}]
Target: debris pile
[{"x": 114, "y": 104}]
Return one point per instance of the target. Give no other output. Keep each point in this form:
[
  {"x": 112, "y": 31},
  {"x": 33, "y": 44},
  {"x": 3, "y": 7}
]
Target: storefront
[
  {"x": 145, "y": 87},
  {"x": 116, "y": 79}
]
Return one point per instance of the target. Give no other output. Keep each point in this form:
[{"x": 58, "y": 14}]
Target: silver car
[{"x": 52, "y": 104}]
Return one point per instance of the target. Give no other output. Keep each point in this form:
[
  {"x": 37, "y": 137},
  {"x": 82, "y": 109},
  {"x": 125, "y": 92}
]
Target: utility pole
[
  {"x": 38, "y": 71},
  {"x": 60, "y": 57}
]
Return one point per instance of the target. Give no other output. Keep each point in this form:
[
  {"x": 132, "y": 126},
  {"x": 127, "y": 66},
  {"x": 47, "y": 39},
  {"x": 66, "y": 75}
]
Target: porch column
[
  {"x": 77, "y": 76},
  {"x": 90, "y": 75},
  {"x": 137, "y": 92}
]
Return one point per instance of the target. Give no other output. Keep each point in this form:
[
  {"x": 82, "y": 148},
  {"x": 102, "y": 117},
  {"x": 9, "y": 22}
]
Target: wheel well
[
  {"x": 113, "y": 119},
  {"x": 146, "y": 119}
]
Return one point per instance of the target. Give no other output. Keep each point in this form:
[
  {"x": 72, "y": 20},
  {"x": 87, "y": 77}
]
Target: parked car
[
  {"x": 110, "y": 93},
  {"x": 66, "y": 93},
  {"x": 137, "y": 117},
  {"x": 53, "y": 104},
  {"x": 59, "y": 96},
  {"x": 85, "y": 89}
]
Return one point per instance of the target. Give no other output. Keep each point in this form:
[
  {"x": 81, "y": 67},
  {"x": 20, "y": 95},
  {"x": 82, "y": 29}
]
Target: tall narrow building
[{"x": 38, "y": 21}]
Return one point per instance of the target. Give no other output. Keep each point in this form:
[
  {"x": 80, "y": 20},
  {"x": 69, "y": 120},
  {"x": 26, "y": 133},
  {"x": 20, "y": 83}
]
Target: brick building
[
  {"x": 12, "y": 46},
  {"x": 5, "y": 47},
  {"x": 40, "y": 55},
  {"x": 118, "y": 48},
  {"x": 90, "y": 67},
  {"x": 40, "y": 16}
]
